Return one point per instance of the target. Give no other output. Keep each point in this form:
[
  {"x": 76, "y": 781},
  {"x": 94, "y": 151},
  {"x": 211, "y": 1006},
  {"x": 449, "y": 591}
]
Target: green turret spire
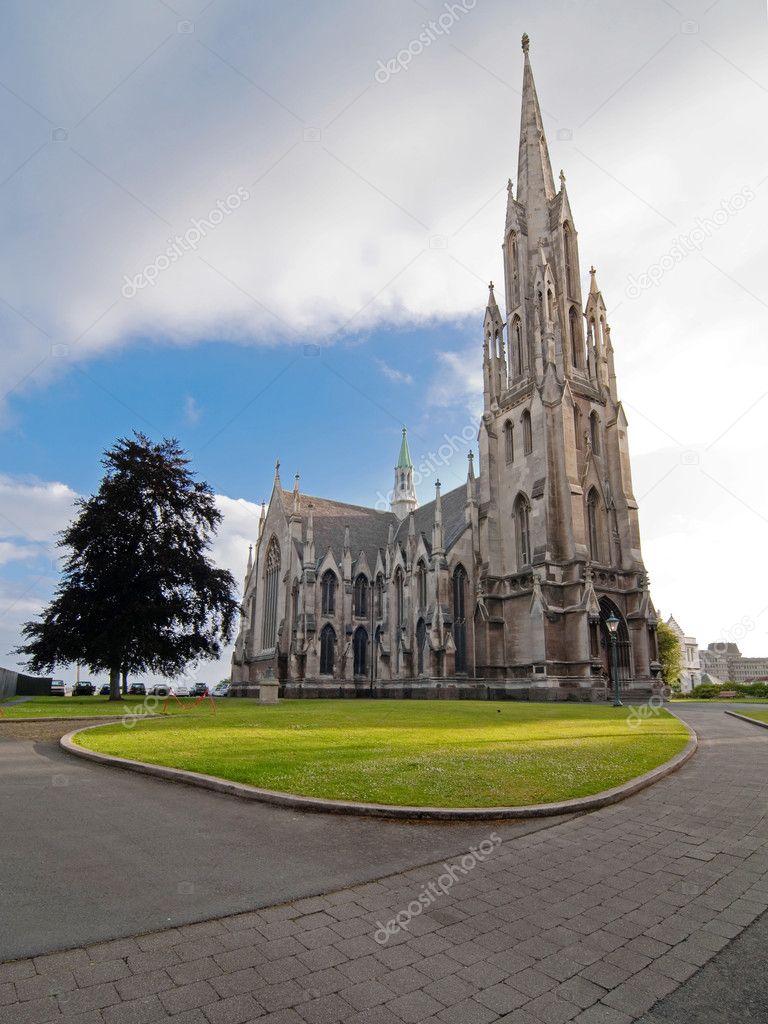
[{"x": 404, "y": 461}]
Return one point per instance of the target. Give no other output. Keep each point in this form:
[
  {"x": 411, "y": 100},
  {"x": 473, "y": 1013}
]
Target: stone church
[{"x": 501, "y": 587}]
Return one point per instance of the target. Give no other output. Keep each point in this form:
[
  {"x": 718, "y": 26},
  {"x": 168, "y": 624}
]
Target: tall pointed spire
[
  {"x": 438, "y": 540},
  {"x": 535, "y": 183},
  {"x": 404, "y": 493},
  {"x": 404, "y": 459}
]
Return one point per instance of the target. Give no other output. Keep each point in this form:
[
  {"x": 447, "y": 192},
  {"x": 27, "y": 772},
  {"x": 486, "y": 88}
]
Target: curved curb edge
[
  {"x": 746, "y": 718},
  {"x": 102, "y": 720},
  {"x": 319, "y": 805}
]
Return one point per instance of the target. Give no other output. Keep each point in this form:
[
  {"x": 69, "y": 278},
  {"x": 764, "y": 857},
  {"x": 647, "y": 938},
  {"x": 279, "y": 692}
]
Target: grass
[
  {"x": 79, "y": 707},
  {"x": 759, "y": 716},
  {"x": 444, "y": 754}
]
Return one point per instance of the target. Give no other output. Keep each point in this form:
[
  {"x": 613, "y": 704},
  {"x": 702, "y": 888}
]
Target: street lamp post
[{"x": 612, "y": 623}]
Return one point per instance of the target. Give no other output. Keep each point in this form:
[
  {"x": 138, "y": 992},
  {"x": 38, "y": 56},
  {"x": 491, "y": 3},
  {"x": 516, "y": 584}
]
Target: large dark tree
[{"x": 139, "y": 591}]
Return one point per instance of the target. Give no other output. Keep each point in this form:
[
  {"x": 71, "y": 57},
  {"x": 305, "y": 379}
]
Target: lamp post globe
[{"x": 612, "y": 622}]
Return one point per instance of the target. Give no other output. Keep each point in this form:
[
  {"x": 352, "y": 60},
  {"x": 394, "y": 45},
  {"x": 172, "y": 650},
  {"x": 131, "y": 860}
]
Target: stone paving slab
[{"x": 594, "y": 921}]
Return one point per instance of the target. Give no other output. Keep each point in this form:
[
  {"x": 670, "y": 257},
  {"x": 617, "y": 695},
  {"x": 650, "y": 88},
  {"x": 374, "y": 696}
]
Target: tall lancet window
[
  {"x": 460, "y": 617},
  {"x": 509, "y": 442},
  {"x": 328, "y": 588},
  {"x": 327, "y": 649},
  {"x": 523, "y": 531},
  {"x": 593, "y": 528},
  {"x": 421, "y": 584},
  {"x": 573, "y": 336},
  {"x": 568, "y": 260},
  {"x": 361, "y": 596},
  {"x": 399, "y": 598},
  {"x": 379, "y": 591},
  {"x": 271, "y": 587},
  {"x": 514, "y": 274},
  {"x": 518, "y": 363},
  {"x": 527, "y": 433}
]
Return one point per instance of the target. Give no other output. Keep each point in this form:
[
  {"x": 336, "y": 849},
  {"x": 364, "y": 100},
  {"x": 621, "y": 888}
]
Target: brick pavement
[{"x": 593, "y": 921}]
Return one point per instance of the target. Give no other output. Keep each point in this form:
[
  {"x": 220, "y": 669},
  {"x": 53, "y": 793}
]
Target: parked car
[
  {"x": 199, "y": 690},
  {"x": 220, "y": 690},
  {"x": 105, "y": 690},
  {"x": 181, "y": 690},
  {"x": 58, "y": 689},
  {"x": 83, "y": 689},
  {"x": 137, "y": 690},
  {"x": 160, "y": 690}
]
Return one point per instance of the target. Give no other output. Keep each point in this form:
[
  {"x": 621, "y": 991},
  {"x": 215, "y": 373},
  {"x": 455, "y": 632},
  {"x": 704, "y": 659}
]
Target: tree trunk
[
  {"x": 114, "y": 684},
  {"x": 124, "y": 680}
]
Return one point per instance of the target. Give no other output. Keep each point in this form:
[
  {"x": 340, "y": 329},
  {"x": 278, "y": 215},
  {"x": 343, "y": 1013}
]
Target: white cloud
[
  {"x": 458, "y": 380},
  {"x": 393, "y": 374},
  {"x": 192, "y": 411}
]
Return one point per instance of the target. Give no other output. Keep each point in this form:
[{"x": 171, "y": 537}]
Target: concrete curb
[
  {"x": 317, "y": 804},
  {"x": 746, "y": 718}
]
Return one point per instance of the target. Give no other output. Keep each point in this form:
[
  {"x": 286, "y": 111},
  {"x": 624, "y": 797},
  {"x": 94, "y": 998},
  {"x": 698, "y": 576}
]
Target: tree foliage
[
  {"x": 138, "y": 591},
  {"x": 670, "y": 654}
]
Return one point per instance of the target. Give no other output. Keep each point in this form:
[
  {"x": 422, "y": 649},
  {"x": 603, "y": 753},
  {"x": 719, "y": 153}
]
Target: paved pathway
[
  {"x": 593, "y": 920},
  {"x": 88, "y": 853}
]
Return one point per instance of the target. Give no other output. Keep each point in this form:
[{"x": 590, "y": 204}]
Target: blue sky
[{"x": 341, "y": 293}]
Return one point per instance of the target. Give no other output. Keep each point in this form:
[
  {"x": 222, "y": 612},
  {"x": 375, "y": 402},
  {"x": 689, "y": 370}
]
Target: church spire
[
  {"x": 438, "y": 540},
  {"x": 404, "y": 493},
  {"x": 535, "y": 183}
]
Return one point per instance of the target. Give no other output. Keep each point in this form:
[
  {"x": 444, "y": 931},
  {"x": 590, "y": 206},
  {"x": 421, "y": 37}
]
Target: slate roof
[{"x": 369, "y": 528}]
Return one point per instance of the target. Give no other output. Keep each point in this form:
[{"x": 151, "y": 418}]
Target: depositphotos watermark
[
  {"x": 434, "y": 890},
  {"x": 432, "y": 461},
  {"x": 691, "y": 241},
  {"x": 180, "y": 245},
  {"x": 430, "y": 33},
  {"x": 639, "y": 712}
]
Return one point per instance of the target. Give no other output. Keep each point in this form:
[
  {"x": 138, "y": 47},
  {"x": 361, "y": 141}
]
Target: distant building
[
  {"x": 725, "y": 663},
  {"x": 690, "y": 675}
]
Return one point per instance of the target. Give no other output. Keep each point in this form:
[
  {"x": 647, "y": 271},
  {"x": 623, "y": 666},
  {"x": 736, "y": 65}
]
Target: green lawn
[
  {"x": 441, "y": 753},
  {"x": 759, "y": 716},
  {"x": 81, "y": 707}
]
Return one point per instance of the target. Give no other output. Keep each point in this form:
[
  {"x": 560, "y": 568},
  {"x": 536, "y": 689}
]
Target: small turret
[{"x": 404, "y": 493}]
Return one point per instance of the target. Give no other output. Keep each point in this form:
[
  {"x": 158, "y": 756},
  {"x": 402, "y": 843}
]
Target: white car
[
  {"x": 220, "y": 690},
  {"x": 180, "y": 689}
]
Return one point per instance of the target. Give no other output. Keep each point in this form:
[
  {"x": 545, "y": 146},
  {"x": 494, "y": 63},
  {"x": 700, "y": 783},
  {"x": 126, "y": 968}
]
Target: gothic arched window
[
  {"x": 271, "y": 587},
  {"x": 594, "y": 432},
  {"x": 379, "y": 592},
  {"x": 514, "y": 274},
  {"x": 573, "y": 334},
  {"x": 518, "y": 363},
  {"x": 360, "y": 651},
  {"x": 550, "y": 305},
  {"x": 328, "y": 587},
  {"x": 509, "y": 441},
  {"x": 421, "y": 584},
  {"x": 593, "y": 529},
  {"x": 460, "y": 617},
  {"x": 527, "y": 433},
  {"x": 523, "y": 531},
  {"x": 327, "y": 650},
  {"x": 421, "y": 636},
  {"x": 360, "y": 596},
  {"x": 568, "y": 258},
  {"x": 399, "y": 597}
]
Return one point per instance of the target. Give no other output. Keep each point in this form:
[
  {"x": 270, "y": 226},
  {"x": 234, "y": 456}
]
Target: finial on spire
[
  {"x": 277, "y": 471},
  {"x": 296, "y": 478},
  {"x": 562, "y": 178},
  {"x": 593, "y": 282},
  {"x": 526, "y": 42},
  {"x": 510, "y": 186}
]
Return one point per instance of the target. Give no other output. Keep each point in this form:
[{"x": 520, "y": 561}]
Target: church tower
[
  {"x": 559, "y": 534},
  {"x": 403, "y": 493}
]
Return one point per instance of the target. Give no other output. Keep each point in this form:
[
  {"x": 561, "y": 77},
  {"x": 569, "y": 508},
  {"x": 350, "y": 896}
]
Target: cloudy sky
[{"x": 334, "y": 201}]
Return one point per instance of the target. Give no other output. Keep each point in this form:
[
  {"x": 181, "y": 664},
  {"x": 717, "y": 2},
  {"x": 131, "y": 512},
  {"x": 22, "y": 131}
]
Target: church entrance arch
[{"x": 624, "y": 647}]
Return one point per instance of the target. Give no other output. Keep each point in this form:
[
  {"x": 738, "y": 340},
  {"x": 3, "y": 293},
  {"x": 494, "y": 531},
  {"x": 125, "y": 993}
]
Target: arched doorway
[
  {"x": 421, "y": 636},
  {"x": 624, "y": 647},
  {"x": 360, "y": 651}
]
